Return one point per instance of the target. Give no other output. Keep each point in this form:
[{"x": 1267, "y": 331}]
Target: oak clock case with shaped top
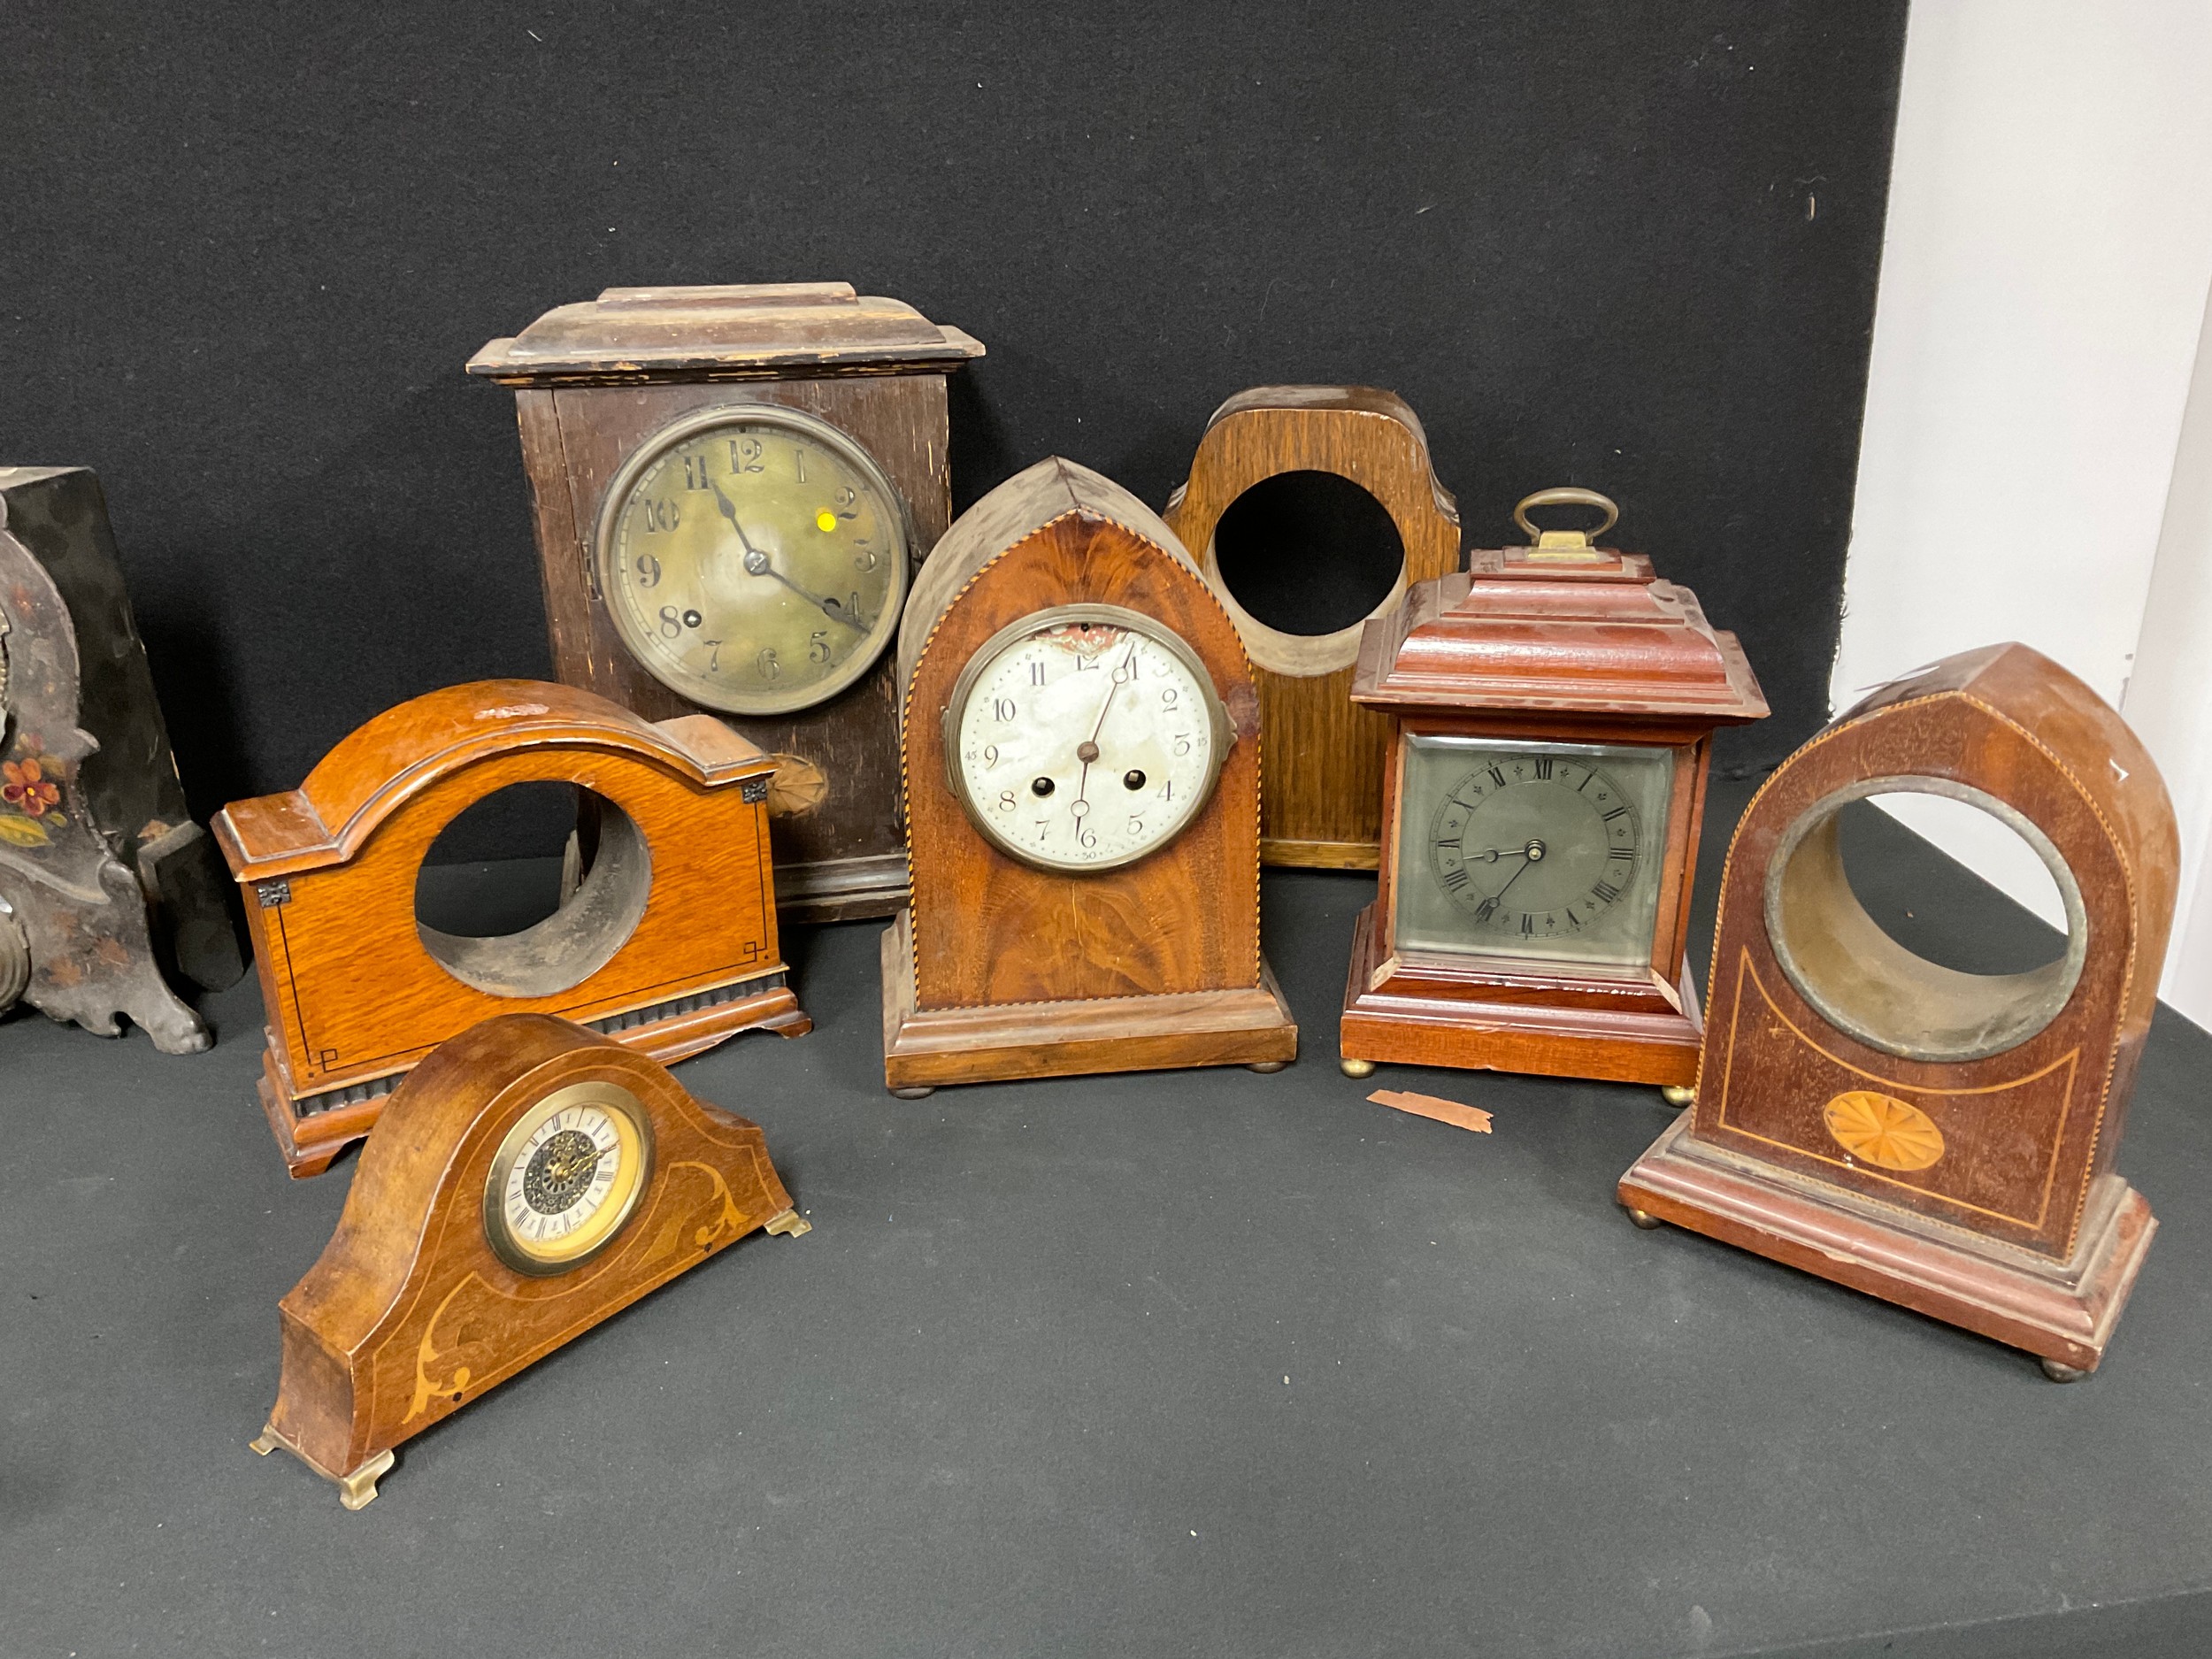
[
  {"x": 732, "y": 488},
  {"x": 1554, "y": 711},
  {"x": 1945, "y": 1140},
  {"x": 1323, "y": 804},
  {"x": 664, "y": 938},
  {"x": 532, "y": 1179},
  {"x": 1082, "y": 776}
]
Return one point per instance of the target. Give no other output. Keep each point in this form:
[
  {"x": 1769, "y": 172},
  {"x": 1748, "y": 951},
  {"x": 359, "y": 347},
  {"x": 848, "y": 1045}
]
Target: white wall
[{"x": 2043, "y": 293}]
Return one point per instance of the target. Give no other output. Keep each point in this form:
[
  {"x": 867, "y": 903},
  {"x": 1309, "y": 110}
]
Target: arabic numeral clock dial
[
  {"x": 1083, "y": 738},
  {"x": 753, "y": 558},
  {"x": 566, "y": 1177},
  {"x": 1532, "y": 850}
]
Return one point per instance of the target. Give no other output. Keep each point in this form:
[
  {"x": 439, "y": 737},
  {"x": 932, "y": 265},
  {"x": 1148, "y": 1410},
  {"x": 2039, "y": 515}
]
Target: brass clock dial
[
  {"x": 1083, "y": 738},
  {"x": 753, "y": 558},
  {"x": 1533, "y": 849},
  {"x": 566, "y": 1177}
]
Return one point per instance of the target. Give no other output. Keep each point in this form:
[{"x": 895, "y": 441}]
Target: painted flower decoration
[{"x": 27, "y": 787}]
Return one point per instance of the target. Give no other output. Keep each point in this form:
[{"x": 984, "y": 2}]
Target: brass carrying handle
[{"x": 1566, "y": 543}]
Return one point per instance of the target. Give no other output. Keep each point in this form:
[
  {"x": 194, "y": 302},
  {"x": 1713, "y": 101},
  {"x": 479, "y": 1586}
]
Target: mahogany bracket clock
[
  {"x": 1326, "y": 754},
  {"x": 1945, "y": 1140},
  {"x": 664, "y": 938},
  {"x": 733, "y": 486},
  {"x": 102, "y": 873},
  {"x": 531, "y": 1180},
  {"x": 1082, "y": 795},
  {"x": 1554, "y": 708}
]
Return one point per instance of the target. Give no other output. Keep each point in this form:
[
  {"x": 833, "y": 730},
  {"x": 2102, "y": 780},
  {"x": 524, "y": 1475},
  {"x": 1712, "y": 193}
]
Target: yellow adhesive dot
[{"x": 825, "y": 521}]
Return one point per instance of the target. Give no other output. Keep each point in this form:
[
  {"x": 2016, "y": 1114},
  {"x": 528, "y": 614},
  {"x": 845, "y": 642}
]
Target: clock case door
[
  {"x": 595, "y": 381},
  {"x": 1563, "y": 644}
]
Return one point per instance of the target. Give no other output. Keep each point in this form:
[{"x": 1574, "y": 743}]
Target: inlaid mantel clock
[
  {"x": 1555, "y": 706},
  {"x": 1082, "y": 782},
  {"x": 733, "y": 486}
]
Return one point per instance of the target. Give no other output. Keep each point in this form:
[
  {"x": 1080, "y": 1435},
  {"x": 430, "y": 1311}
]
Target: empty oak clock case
[
  {"x": 1943, "y": 1140},
  {"x": 733, "y": 486},
  {"x": 665, "y": 938},
  {"x": 1326, "y": 754},
  {"x": 1082, "y": 795},
  {"x": 531, "y": 1179},
  {"x": 1553, "y": 710}
]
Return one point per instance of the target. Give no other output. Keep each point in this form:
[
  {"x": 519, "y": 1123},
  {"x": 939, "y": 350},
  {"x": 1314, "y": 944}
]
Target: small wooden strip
[{"x": 1445, "y": 1111}]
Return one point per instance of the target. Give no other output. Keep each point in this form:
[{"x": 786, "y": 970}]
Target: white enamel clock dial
[
  {"x": 1083, "y": 738},
  {"x": 566, "y": 1177}
]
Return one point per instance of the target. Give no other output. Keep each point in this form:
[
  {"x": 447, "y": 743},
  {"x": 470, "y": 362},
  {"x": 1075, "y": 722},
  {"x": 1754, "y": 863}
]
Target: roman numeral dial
[{"x": 1535, "y": 847}]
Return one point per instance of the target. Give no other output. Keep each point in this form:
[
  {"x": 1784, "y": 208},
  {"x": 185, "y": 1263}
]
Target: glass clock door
[{"x": 1551, "y": 852}]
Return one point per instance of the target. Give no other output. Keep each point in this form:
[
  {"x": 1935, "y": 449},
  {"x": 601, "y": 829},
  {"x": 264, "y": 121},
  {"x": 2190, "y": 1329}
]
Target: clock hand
[
  {"x": 828, "y": 607},
  {"x": 758, "y": 564},
  {"x": 1533, "y": 854},
  {"x": 1490, "y": 854},
  {"x": 1086, "y": 751}
]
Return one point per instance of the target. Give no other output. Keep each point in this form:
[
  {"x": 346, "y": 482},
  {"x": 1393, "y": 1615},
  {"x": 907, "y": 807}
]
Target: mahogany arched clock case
[
  {"x": 1082, "y": 799},
  {"x": 531, "y": 1179},
  {"x": 1942, "y": 1140}
]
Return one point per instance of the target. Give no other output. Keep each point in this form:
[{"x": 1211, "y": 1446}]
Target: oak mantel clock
[
  {"x": 733, "y": 486},
  {"x": 1946, "y": 1141},
  {"x": 1082, "y": 781},
  {"x": 1555, "y": 706}
]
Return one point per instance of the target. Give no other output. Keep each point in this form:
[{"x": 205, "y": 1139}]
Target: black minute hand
[{"x": 758, "y": 564}]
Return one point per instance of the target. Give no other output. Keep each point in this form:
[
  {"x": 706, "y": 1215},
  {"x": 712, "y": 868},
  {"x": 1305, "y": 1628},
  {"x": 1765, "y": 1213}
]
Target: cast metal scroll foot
[
  {"x": 356, "y": 1490},
  {"x": 1678, "y": 1096},
  {"x": 2057, "y": 1373},
  {"x": 791, "y": 1224},
  {"x": 1643, "y": 1218},
  {"x": 1355, "y": 1068},
  {"x": 1265, "y": 1066},
  {"x": 915, "y": 1093}
]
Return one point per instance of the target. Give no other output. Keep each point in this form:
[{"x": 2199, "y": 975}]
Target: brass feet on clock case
[
  {"x": 2057, "y": 1373},
  {"x": 1678, "y": 1095},
  {"x": 1643, "y": 1218},
  {"x": 922, "y": 1093},
  {"x": 1357, "y": 1068},
  {"x": 356, "y": 1490}
]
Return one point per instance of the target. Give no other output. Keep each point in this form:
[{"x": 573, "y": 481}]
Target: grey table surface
[{"x": 1187, "y": 1362}]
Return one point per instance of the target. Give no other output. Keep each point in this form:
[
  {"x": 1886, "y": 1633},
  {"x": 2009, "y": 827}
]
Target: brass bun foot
[
  {"x": 791, "y": 1224},
  {"x": 1678, "y": 1096},
  {"x": 2057, "y": 1373},
  {"x": 1643, "y": 1218},
  {"x": 356, "y": 1490},
  {"x": 1355, "y": 1068},
  {"x": 1267, "y": 1066},
  {"x": 915, "y": 1093}
]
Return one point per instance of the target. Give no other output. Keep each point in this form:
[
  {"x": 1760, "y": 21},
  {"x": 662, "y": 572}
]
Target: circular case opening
[
  {"x": 603, "y": 892},
  {"x": 1867, "y": 985}
]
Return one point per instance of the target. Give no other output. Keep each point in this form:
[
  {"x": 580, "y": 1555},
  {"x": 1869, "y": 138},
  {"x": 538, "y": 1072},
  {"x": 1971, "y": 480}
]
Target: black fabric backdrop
[{"x": 247, "y": 248}]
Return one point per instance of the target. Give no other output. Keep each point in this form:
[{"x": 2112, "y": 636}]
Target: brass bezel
[
  {"x": 608, "y": 1096},
  {"x": 1058, "y": 616},
  {"x": 819, "y": 431}
]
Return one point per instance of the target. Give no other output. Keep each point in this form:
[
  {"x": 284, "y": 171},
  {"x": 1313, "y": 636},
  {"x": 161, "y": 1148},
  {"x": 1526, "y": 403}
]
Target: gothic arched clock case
[{"x": 1082, "y": 795}]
